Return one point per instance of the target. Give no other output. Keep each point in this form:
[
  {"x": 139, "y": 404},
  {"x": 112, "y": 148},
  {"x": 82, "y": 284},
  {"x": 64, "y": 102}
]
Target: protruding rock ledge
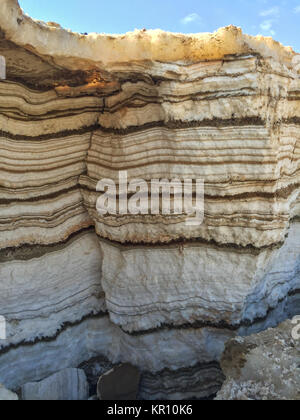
[
  {"x": 66, "y": 385},
  {"x": 75, "y": 51}
]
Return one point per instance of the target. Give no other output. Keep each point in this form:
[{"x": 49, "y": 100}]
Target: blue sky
[{"x": 279, "y": 19}]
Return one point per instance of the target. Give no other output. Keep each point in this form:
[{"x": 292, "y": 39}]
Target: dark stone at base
[{"x": 119, "y": 384}]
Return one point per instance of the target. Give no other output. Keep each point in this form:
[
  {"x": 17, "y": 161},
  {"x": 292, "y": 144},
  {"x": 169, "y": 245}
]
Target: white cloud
[
  {"x": 193, "y": 17},
  {"x": 267, "y": 26},
  {"x": 297, "y": 9},
  {"x": 273, "y": 12},
  {"x": 271, "y": 16}
]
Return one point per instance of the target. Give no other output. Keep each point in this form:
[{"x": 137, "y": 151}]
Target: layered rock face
[{"x": 146, "y": 289}]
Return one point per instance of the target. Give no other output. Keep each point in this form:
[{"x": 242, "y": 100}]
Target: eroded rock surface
[
  {"x": 75, "y": 285},
  {"x": 264, "y": 366}
]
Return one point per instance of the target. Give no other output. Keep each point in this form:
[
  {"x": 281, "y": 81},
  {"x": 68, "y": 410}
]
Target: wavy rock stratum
[{"x": 145, "y": 289}]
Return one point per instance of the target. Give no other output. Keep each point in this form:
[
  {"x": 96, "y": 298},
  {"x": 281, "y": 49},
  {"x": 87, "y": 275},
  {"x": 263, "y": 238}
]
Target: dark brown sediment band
[
  {"x": 28, "y": 251},
  {"x": 50, "y": 136},
  {"x": 50, "y": 339},
  {"x": 177, "y": 124},
  {"x": 182, "y": 242}
]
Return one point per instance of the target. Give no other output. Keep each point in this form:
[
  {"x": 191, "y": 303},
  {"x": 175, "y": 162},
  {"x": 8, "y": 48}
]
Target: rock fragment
[
  {"x": 262, "y": 366},
  {"x": 6, "y": 395},
  {"x": 120, "y": 383},
  {"x": 66, "y": 385}
]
